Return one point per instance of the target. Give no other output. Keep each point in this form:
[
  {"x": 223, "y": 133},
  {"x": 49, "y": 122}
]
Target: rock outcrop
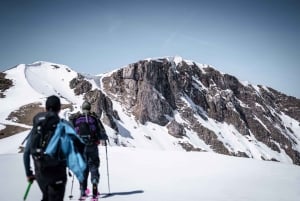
[
  {"x": 152, "y": 90},
  {"x": 4, "y": 84}
]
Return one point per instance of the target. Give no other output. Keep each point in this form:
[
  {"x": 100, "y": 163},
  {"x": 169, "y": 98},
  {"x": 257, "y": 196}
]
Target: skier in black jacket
[
  {"x": 91, "y": 130},
  {"x": 51, "y": 178}
]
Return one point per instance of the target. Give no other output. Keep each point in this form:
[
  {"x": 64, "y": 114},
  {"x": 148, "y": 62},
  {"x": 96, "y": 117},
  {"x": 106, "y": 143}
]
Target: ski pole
[
  {"x": 71, "y": 196},
  {"x": 25, "y": 139},
  {"x": 21, "y": 147},
  {"x": 107, "y": 170},
  {"x": 27, "y": 190}
]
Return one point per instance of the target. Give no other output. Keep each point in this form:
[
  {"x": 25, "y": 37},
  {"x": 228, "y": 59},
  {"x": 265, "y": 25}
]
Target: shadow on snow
[{"x": 105, "y": 195}]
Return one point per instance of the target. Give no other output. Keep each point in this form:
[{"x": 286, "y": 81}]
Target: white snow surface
[
  {"x": 153, "y": 167},
  {"x": 141, "y": 174}
]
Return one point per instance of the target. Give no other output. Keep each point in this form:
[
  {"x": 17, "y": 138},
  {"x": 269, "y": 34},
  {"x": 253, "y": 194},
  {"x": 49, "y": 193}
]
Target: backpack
[
  {"x": 86, "y": 127},
  {"x": 44, "y": 128}
]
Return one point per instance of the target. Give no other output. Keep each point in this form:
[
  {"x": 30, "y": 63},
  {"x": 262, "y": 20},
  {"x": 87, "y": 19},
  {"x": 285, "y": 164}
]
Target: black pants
[
  {"x": 92, "y": 159},
  {"x": 52, "y": 181}
]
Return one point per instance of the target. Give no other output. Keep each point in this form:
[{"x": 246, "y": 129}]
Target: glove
[{"x": 31, "y": 178}]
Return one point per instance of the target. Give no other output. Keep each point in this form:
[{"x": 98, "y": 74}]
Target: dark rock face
[
  {"x": 80, "y": 85},
  {"x": 145, "y": 91},
  {"x": 185, "y": 98},
  {"x": 102, "y": 106},
  {"x": 100, "y": 103},
  {"x": 4, "y": 84},
  {"x": 288, "y": 104},
  {"x": 176, "y": 129},
  {"x": 152, "y": 90}
]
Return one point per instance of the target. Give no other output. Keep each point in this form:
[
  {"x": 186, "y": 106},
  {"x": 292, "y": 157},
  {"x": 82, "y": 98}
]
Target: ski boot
[{"x": 95, "y": 189}]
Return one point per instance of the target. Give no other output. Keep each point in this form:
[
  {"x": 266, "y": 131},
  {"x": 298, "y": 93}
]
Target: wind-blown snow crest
[{"x": 49, "y": 79}]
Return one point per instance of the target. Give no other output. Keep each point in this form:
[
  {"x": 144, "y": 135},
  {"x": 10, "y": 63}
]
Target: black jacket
[{"x": 58, "y": 171}]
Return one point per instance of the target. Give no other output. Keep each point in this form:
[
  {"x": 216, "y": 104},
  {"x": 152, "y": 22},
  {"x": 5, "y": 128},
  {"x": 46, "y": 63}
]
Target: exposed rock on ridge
[
  {"x": 173, "y": 103},
  {"x": 4, "y": 84},
  {"x": 153, "y": 89},
  {"x": 80, "y": 85}
]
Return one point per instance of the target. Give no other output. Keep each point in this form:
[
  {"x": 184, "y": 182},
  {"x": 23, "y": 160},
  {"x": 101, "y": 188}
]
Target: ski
[
  {"x": 87, "y": 192},
  {"x": 81, "y": 198},
  {"x": 95, "y": 199},
  {"x": 89, "y": 197}
]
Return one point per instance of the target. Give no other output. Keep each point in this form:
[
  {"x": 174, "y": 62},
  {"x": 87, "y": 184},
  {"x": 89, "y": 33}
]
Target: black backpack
[
  {"x": 44, "y": 128},
  {"x": 86, "y": 127}
]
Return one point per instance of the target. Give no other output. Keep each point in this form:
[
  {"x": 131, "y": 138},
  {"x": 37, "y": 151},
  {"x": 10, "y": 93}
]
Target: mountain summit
[{"x": 164, "y": 103}]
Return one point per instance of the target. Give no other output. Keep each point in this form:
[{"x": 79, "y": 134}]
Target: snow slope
[
  {"x": 32, "y": 83},
  {"x": 48, "y": 78},
  {"x": 19, "y": 94},
  {"x": 147, "y": 175}
]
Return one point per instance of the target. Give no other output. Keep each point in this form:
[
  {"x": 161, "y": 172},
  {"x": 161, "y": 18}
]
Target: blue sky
[{"x": 254, "y": 40}]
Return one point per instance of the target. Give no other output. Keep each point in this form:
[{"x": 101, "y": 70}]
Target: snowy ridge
[
  {"x": 153, "y": 165},
  {"x": 48, "y": 79},
  {"x": 34, "y": 82}
]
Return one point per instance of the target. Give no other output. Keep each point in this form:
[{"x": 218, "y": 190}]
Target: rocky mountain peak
[
  {"x": 162, "y": 90},
  {"x": 195, "y": 107}
]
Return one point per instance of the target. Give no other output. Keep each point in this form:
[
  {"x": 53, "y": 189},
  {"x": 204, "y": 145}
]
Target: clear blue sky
[{"x": 254, "y": 40}]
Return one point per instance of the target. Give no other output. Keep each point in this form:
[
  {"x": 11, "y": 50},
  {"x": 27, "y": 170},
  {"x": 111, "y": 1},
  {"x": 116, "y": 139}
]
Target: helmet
[{"x": 86, "y": 106}]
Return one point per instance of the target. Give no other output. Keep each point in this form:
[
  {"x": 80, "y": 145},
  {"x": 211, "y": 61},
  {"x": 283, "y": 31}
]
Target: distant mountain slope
[{"x": 170, "y": 103}]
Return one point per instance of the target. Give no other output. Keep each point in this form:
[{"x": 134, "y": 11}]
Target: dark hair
[{"x": 53, "y": 103}]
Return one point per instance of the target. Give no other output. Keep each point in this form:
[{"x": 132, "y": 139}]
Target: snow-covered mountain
[{"x": 166, "y": 104}]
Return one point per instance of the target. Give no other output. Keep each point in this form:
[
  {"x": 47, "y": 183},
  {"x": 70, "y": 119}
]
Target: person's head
[
  {"x": 86, "y": 107},
  {"x": 53, "y": 104}
]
